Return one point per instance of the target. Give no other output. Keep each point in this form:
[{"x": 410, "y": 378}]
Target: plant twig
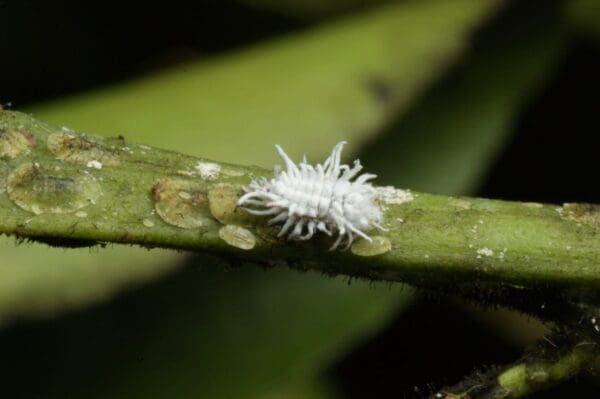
[
  {"x": 570, "y": 350},
  {"x": 68, "y": 189},
  {"x": 553, "y": 361}
]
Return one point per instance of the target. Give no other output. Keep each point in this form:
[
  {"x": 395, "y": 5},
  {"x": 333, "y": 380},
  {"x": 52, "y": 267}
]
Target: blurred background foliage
[{"x": 455, "y": 97}]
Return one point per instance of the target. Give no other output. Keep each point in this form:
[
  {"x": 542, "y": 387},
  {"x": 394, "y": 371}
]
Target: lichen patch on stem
[
  {"x": 481, "y": 252},
  {"x": 40, "y": 190},
  {"x": 70, "y": 147},
  {"x": 460, "y": 203},
  {"x": 378, "y": 246},
  {"x": 182, "y": 203},
  {"x": 582, "y": 213},
  {"x": 222, "y": 199},
  {"x": 15, "y": 142},
  {"x": 208, "y": 170},
  {"x": 394, "y": 196},
  {"x": 237, "y": 236}
]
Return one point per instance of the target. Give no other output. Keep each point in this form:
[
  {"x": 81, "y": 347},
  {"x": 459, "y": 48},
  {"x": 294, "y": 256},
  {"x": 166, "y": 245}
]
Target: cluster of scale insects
[{"x": 309, "y": 198}]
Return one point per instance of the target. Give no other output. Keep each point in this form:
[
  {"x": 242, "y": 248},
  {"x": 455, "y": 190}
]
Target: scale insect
[{"x": 308, "y": 198}]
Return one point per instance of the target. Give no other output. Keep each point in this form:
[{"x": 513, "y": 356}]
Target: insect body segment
[{"x": 307, "y": 199}]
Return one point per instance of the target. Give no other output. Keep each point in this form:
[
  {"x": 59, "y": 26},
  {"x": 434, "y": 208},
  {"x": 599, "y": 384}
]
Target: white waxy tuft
[{"x": 309, "y": 198}]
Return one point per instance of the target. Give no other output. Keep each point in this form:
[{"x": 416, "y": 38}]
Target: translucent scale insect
[{"x": 308, "y": 198}]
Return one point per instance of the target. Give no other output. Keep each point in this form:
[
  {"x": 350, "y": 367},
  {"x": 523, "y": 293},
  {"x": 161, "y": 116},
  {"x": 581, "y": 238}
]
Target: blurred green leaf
[
  {"x": 257, "y": 329},
  {"x": 585, "y": 17},
  {"x": 201, "y": 332},
  {"x": 315, "y": 388},
  {"x": 38, "y": 280},
  {"x": 311, "y": 8},
  {"x": 238, "y": 106},
  {"x": 306, "y": 92},
  {"x": 447, "y": 139}
]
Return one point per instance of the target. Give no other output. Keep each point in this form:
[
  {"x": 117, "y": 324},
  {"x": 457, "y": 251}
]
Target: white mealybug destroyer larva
[{"x": 308, "y": 198}]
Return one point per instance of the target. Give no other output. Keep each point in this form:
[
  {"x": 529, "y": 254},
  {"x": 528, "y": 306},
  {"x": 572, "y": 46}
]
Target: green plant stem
[
  {"x": 570, "y": 350},
  {"x": 68, "y": 189},
  {"x": 526, "y": 378},
  {"x": 546, "y": 366}
]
